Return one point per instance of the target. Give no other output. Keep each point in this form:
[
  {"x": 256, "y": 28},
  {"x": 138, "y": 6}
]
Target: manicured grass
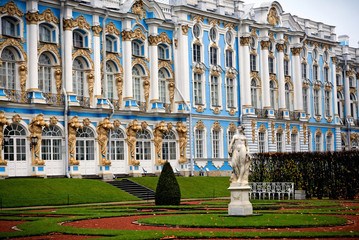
[
  {"x": 264, "y": 221},
  {"x": 36, "y": 192},
  {"x": 194, "y": 187}
]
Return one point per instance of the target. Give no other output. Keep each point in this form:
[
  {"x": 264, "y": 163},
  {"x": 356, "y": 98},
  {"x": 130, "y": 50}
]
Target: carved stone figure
[
  {"x": 131, "y": 132},
  {"x": 102, "y": 130},
  {"x": 73, "y": 125},
  {"x": 182, "y": 133},
  {"x": 35, "y": 127},
  {"x": 158, "y": 131},
  {"x": 241, "y": 160},
  {"x": 272, "y": 17},
  {"x": 3, "y": 122}
]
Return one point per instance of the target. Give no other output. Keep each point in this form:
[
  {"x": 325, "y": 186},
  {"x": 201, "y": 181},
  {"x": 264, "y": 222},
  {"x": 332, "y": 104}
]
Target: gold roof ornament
[
  {"x": 272, "y": 17},
  {"x": 137, "y": 8}
]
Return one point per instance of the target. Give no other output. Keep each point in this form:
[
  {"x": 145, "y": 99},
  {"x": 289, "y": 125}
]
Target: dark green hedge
[
  {"x": 168, "y": 191},
  {"x": 321, "y": 174}
]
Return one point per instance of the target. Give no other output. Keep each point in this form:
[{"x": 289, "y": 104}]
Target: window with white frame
[
  {"x": 328, "y": 140},
  {"x": 15, "y": 149},
  {"x": 288, "y": 95},
  {"x": 294, "y": 142},
  {"x": 51, "y": 143},
  {"x": 318, "y": 142},
  {"x": 327, "y": 105},
  {"x": 279, "y": 137},
  {"x": 117, "y": 145},
  {"x": 213, "y": 56},
  {"x": 286, "y": 67},
  {"x": 46, "y": 33},
  {"x": 229, "y": 37},
  {"x": 199, "y": 143},
  {"x": 316, "y": 102},
  {"x": 213, "y": 34},
  {"x": 45, "y": 73},
  {"x": 110, "y": 79},
  {"x": 230, "y": 90},
  {"x": 80, "y": 39},
  {"x": 315, "y": 72},
  {"x": 304, "y": 71},
  {"x": 340, "y": 100},
  {"x": 169, "y": 146},
  {"x": 196, "y": 30},
  {"x": 303, "y": 53},
  {"x": 343, "y": 143},
  {"x": 10, "y": 26},
  {"x": 230, "y": 136},
  {"x": 78, "y": 77},
  {"x": 196, "y": 53},
  {"x": 143, "y": 145},
  {"x": 271, "y": 65},
  {"x": 7, "y": 69},
  {"x": 305, "y": 100},
  {"x": 353, "y": 105},
  {"x": 137, "y": 48},
  {"x": 229, "y": 58},
  {"x": 339, "y": 80},
  {"x": 214, "y": 91},
  {"x": 85, "y": 144},
  {"x": 253, "y": 62},
  {"x": 216, "y": 148},
  {"x": 161, "y": 52},
  {"x": 253, "y": 43},
  {"x": 314, "y": 55},
  {"x": 352, "y": 82},
  {"x": 254, "y": 93},
  {"x": 111, "y": 43},
  {"x": 197, "y": 89},
  {"x": 273, "y": 94},
  {"x": 326, "y": 74},
  {"x": 136, "y": 83},
  {"x": 261, "y": 142},
  {"x": 162, "y": 86}
]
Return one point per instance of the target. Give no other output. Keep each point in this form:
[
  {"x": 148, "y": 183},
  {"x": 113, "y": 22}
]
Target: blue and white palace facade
[{"x": 118, "y": 87}]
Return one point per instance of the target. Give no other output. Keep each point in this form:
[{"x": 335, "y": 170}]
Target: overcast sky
[{"x": 343, "y": 14}]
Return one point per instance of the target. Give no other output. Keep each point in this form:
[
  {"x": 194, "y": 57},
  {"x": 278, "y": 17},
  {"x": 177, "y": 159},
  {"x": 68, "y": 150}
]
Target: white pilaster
[
  {"x": 298, "y": 93},
  {"x": 334, "y": 82},
  {"x": 244, "y": 71},
  {"x": 265, "y": 74},
  {"x": 347, "y": 96}
]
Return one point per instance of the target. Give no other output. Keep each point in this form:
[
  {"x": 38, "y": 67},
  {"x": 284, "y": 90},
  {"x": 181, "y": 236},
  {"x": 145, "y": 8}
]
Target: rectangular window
[
  {"x": 213, "y": 55},
  {"x": 326, "y": 74},
  {"x": 315, "y": 72},
  {"x": 229, "y": 58},
  {"x": 329, "y": 143},
  {"x": 214, "y": 91},
  {"x": 327, "y": 103},
  {"x": 339, "y": 80},
  {"x": 318, "y": 143},
  {"x": 230, "y": 92},
  {"x": 305, "y": 100},
  {"x": 162, "y": 90},
  {"x": 304, "y": 71},
  {"x": 197, "y": 89},
  {"x": 109, "y": 45},
  {"x": 110, "y": 86},
  {"x": 196, "y": 53},
  {"x": 271, "y": 65},
  {"x": 136, "y": 89},
  {"x": 293, "y": 140},
  {"x": 316, "y": 102},
  {"x": 253, "y": 62},
  {"x": 279, "y": 142},
  {"x": 199, "y": 143},
  {"x": 286, "y": 68},
  {"x": 215, "y": 144},
  {"x": 261, "y": 142},
  {"x": 8, "y": 28},
  {"x": 230, "y": 136}
]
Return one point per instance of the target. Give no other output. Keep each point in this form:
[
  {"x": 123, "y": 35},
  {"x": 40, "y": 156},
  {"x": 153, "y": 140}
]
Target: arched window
[
  {"x": 169, "y": 146},
  {"x": 216, "y": 143},
  {"x": 329, "y": 143},
  {"x": 288, "y": 96},
  {"x": 143, "y": 145},
  {"x": 279, "y": 137},
  {"x": 85, "y": 144},
  {"x": 340, "y": 104},
  {"x": 199, "y": 143},
  {"x": 352, "y": 105},
  {"x": 316, "y": 99},
  {"x": 117, "y": 145},
  {"x": 254, "y": 93},
  {"x": 45, "y": 76},
  {"x": 327, "y": 105},
  {"x": 230, "y": 90},
  {"x": 197, "y": 89},
  {"x": 110, "y": 71},
  {"x": 253, "y": 62},
  {"x": 7, "y": 69},
  {"x": 15, "y": 149},
  {"x": 78, "y": 77},
  {"x": 229, "y": 58},
  {"x": 162, "y": 86},
  {"x": 213, "y": 56},
  {"x": 214, "y": 91},
  {"x": 51, "y": 144},
  {"x": 46, "y": 33},
  {"x": 196, "y": 53},
  {"x": 10, "y": 26},
  {"x": 273, "y": 94},
  {"x": 136, "y": 81}
]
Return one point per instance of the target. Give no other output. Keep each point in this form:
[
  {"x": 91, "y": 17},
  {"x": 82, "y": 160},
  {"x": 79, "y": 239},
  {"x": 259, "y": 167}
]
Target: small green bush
[{"x": 168, "y": 191}]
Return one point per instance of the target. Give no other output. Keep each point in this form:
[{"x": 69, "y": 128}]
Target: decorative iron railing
[{"x": 280, "y": 190}]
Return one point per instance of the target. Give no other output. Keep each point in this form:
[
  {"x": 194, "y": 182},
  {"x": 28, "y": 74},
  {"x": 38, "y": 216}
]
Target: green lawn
[
  {"x": 32, "y": 191},
  {"x": 194, "y": 187}
]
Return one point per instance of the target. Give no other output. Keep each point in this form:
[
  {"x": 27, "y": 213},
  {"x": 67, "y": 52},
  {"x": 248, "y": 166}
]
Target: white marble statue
[{"x": 241, "y": 160}]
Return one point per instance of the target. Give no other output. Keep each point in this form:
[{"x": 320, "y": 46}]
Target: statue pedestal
[{"x": 239, "y": 205}]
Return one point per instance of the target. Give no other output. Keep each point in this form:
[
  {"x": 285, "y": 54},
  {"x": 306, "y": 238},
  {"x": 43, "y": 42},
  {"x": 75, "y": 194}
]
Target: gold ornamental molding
[
  {"x": 273, "y": 131},
  {"x": 16, "y": 118},
  {"x": 136, "y": 34},
  {"x": 334, "y": 60},
  {"x": 296, "y": 51},
  {"x": 199, "y": 109},
  {"x": 110, "y": 28},
  {"x": 131, "y": 132},
  {"x": 329, "y": 132},
  {"x": 153, "y": 40},
  {"x": 58, "y": 82},
  {"x": 73, "y": 125},
  {"x": 102, "y": 130},
  {"x": 295, "y": 130},
  {"x": 199, "y": 125},
  {"x": 214, "y": 22},
  {"x": 216, "y": 111},
  {"x": 119, "y": 85},
  {"x": 280, "y": 47},
  {"x": 96, "y": 30},
  {"x": 79, "y": 22},
  {"x": 3, "y": 122},
  {"x": 287, "y": 127},
  {"x": 11, "y": 9},
  {"x": 305, "y": 132},
  {"x": 163, "y": 37},
  {"x": 255, "y": 75},
  {"x": 32, "y": 17},
  {"x": 116, "y": 123},
  {"x": 217, "y": 126},
  {"x": 244, "y": 41},
  {"x": 83, "y": 53},
  {"x": 137, "y": 8},
  {"x": 185, "y": 29},
  {"x": 198, "y": 18},
  {"x": 144, "y": 125},
  {"x": 171, "y": 92},
  {"x": 86, "y": 122},
  {"x": 115, "y": 58},
  {"x": 198, "y": 70},
  {"x": 265, "y": 44},
  {"x": 170, "y": 126},
  {"x": 254, "y": 33},
  {"x": 232, "y": 127},
  {"x": 12, "y": 42},
  {"x": 353, "y": 136},
  {"x": 232, "y": 112},
  {"x": 90, "y": 83},
  {"x": 165, "y": 64},
  {"x": 158, "y": 132},
  {"x": 182, "y": 135},
  {"x": 280, "y": 129},
  {"x": 35, "y": 127},
  {"x": 272, "y": 16},
  {"x": 53, "y": 120},
  {"x": 286, "y": 39},
  {"x": 262, "y": 128},
  {"x": 49, "y": 17},
  {"x": 141, "y": 62},
  {"x": 318, "y": 118},
  {"x": 228, "y": 25},
  {"x": 176, "y": 43},
  {"x": 50, "y": 48},
  {"x": 146, "y": 88},
  {"x": 253, "y": 124},
  {"x": 271, "y": 36},
  {"x": 318, "y": 132}
]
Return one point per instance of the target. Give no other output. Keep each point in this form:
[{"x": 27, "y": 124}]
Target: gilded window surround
[
  {"x": 11, "y": 9},
  {"x": 182, "y": 135},
  {"x": 253, "y": 124},
  {"x": 141, "y": 62}
]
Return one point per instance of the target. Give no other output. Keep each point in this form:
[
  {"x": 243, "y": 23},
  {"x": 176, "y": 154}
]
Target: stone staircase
[{"x": 134, "y": 188}]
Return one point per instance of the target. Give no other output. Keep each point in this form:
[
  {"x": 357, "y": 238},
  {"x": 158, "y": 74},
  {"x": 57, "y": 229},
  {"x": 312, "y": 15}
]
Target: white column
[
  {"x": 298, "y": 93},
  {"x": 96, "y": 29},
  {"x": 347, "y": 95},
  {"x": 154, "y": 72},
  {"x": 32, "y": 57},
  {"x": 67, "y": 45},
  {"x": 244, "y": 71},
  {"x": 182, "y": 80},
  {"x": 334, "y": 81},
  {"x": 265, "y": 74},
  {"x": 280, "y": 74}
]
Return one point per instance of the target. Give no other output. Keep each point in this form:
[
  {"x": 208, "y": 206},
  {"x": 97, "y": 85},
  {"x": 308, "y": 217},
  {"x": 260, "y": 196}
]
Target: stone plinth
[{"x": 239, "y": 205}]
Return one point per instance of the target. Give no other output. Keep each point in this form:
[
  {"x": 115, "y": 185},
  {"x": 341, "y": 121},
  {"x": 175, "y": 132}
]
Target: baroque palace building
[{"x": 118, "y": 87}]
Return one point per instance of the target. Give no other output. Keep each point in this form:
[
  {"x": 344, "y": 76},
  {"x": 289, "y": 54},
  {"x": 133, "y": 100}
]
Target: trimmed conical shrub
[{"x": 168, "y": 191}]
